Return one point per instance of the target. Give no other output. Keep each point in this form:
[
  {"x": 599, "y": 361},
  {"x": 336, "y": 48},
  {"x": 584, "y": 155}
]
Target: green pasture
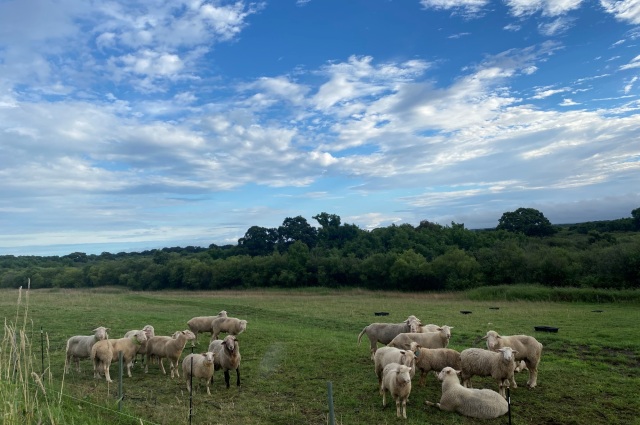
[{"x": 298, "y": 341}]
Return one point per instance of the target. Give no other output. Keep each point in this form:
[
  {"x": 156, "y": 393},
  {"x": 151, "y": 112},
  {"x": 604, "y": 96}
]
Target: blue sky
[{"x": 129, "y": 125}]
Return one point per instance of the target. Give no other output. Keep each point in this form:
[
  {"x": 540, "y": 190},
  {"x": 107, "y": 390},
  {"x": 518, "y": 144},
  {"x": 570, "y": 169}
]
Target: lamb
[
  {"x": 229, "y": 325},
  {"x": 79, "y": 346},
  {"x": 202, "y": 368},
  {"x": 226, "y": 355},
  {"x": 481, "y": 404},
  {"x": 436, "y": 359},
  {"x": 203, "y": 324},
  {"x": 385, "y": 332},
  {"x": 104, "y": 352},
  {"x": 527, "y": 347},
  {"x": 149, "y": 332},
  {"x": 439, "y": 339},
  {"x": 167, "y": 347},
  {"x": 499, "y": 365},
  {"x": 388, "y": 355},
  {"x": 396, "y": 379}
]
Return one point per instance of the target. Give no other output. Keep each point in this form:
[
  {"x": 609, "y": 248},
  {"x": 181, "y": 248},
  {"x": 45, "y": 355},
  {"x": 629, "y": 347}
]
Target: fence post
[
  {"x": 120, "y": 395},
  {"x": 332, "y": 419},
  {"x": 509, "y": 404},
  {"x": 191, "y": 390},
  {"x": 42, "y": 349}
]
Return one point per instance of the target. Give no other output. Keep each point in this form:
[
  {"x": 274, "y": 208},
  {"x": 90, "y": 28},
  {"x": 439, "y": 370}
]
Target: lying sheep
[
  {"x": 435, "y": 359},
  {"x": 527, "y": 347},
  {"x": 79, "y": 346},
  {"x": 439, "y": 339},
  {"x": 199, "y": 366},
  {"x": 226, "y": 355},
  {"x": 229, "y": 325},
  {"x": 149, "y": 332},
  {"x": 203, "y": 324},
  {"x": 499, "y": 365},
  {"x": 397, "y": 380},
  {"x": 167, "y": 347},
  {"x": 481, "y": 404},
  {"x": 104, "y": 352},
  {"x": 388, "y": 355},
  {"x": 385, "y": 332}
]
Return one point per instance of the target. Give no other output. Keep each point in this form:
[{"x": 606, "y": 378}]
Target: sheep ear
[
  {"x": 458, "y": 372},
  {"x": 484, "y": 337}
]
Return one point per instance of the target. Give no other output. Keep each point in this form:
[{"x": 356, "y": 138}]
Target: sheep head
[
  {"x": 508, "y": 353},
  {"x": 208, "y": 358},
  {"x": 448, "y": 372},
  {"x": 229, "y": 343}
]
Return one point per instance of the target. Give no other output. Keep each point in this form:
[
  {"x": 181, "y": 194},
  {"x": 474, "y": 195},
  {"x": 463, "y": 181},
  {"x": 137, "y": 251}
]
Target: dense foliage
[{"x": 522, "y": 249}]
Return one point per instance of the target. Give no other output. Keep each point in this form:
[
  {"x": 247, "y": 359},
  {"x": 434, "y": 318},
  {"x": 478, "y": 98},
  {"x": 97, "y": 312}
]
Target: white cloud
[
  {"x": 635, "y": 63},
  {"x": 467, "y": 7},
  {"x": 546, "y": 92},
  {"x": 623, "y": 10},
  {"x": 629, "y": 86},
  {"x": 549, "y": 8}
]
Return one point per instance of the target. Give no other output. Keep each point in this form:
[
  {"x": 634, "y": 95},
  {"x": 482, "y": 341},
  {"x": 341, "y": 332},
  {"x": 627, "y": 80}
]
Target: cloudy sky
[{"x": 129, "y": 125}]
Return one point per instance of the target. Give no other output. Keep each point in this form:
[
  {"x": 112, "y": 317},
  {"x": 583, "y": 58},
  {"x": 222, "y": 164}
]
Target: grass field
[{"x": 298, "y": 341}]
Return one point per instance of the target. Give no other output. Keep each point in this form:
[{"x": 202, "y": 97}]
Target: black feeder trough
[
  {"x": 597, "y": 311},
  {"x": 546, "y": 329},
  {"x": 465, "y": 311},
  {"x": 494, "y": 308},
  {"x": 381, "y": 313}
]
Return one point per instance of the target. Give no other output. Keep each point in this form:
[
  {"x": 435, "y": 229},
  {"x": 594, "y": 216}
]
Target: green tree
[
  {"x": 636, "y": 218},
  {"x": 259, "y": 240},
  {"x": 297, "y": 229},
  {"x": 529, "y": 221}
]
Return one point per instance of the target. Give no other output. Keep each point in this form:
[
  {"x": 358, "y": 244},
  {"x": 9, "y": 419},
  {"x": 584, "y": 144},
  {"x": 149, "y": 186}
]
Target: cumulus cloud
[{"x": 623, "y": 10}]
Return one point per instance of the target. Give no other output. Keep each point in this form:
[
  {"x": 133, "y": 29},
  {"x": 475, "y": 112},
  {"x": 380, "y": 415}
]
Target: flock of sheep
[
  {"x": 221, "y": 355},
  {"x": 411, "y": 346}
]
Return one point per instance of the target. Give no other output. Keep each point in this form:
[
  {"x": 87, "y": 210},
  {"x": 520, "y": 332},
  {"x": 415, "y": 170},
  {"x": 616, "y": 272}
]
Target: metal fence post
[
  {"x": 42, "y": 349},
  {"x": 332, "y": 419},
  {"x": 509, "y": 403},
  {"x": 120, "y": 395}
]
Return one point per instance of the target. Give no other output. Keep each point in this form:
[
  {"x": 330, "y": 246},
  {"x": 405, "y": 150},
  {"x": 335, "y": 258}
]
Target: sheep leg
[
  {"x": 162, "y": 365},
  {"x": 227, "y": 378},
  {"x": 533, "y": 376},
  {"x": 106, "y": 372},
  {"x": 238, "y": 376},
  {"x": 423, "y": 378}
]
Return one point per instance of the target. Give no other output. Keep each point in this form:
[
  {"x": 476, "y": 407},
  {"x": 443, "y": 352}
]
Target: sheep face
[
  {"x": 446, "y": 331},
  {"x": 492, "y": 338},
  {"x": 149, "y": 331},
  {"x": 229, "y": 343},
  {"x": 507, "y": 353},
  {"x": 448, "y": 371},
  {"x": 207, "y": 358},
  {"x": 101, "y": 333},
  {"x": 414, "y": 323},
  {"x": 140, "y": 336}
]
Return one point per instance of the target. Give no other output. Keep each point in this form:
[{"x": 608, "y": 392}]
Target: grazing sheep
[
  {"x": 149, "y": 332},
  {"x": 226, "y": 355},
  {"x": 385, "y": 332},
  {"x": 520, "y": 366},
  {"x": 79, "y": 346},
  {"x": 203, "y": 324},
  {"x": 229, "y": 325},
  {"x": 104, "y": 352},
  {"x": 388, "y": 355},
  {"x": 527, "y": 347},
  {"x": 439, "y": 339},
  {"x": 396, "y": 379},
  {"x": 435, "y": 359},
  {"x": 499, "y": 365},
  {"x": 429, "y": 328},
  {"x": 167, "y": 347},
  {"x": 481, "y": 404},
  {"x": 202, "y": 368}
]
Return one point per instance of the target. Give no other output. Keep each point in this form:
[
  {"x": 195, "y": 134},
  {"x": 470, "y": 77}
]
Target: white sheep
[
  {"x": 149, "y": 332},
  {"x": 388, "y": 355},
  {"x": 439, "y": 339},
  {"x": 199, "y": 366},
  {"x": 475, "y": 403},
  {"x": 167, "y": 347},
  {"x": 229, "y": 325},
  {"x": 79, "y": 346},
  {"x": 226, "y": 355},
  {"x": 201, "y": 324},
  {"x": 435, "y": 359},
  {"x": 396, "y": 379},
  {"x": 500, "y": 365},
  {"x": 527, "y": 347},
  {"x": 385, "y": 332},
  {"x": 104, "y": 352},
  {"x": 429, "y": 328}
]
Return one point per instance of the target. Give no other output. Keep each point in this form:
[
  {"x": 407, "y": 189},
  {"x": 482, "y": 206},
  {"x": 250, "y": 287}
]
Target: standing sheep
[
  {"x": 226, "y": 355},
  {"x": 388, "y": 355},
  {"x": 527, "y": 347},
  {"x": 439, "y": 339},
  {"x": 385, "y": 332},
  {"x": 435, "y": 359},
  {"x": 481, "y": 404},
  {"x": 104, "y": 352},
  {"x": 229, "y": 325},
  {"x": 167, "y": 347},
  {"x": 203, "y": 368},
  {"x": 397, "y": 380},
  {"x": 149, "y": 332},
  {"x": 79, "y": 346},
  {"x": 201, "y": 324},
  {"x": 499, "y": 365}
]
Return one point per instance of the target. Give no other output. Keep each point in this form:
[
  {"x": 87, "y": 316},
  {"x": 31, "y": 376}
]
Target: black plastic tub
[
  {"x": 465, "y": 312},
  {"x": 546, "y": 329},
  {"x": 381, "y": 313}
]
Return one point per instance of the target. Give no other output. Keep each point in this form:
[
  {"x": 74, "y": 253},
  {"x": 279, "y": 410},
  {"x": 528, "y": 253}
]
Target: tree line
[{"x": 524, "y": 248}]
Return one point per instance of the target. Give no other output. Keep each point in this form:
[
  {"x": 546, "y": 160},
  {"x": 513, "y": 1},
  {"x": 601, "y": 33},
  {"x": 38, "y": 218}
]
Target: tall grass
[{"x": 543, "y": 293}]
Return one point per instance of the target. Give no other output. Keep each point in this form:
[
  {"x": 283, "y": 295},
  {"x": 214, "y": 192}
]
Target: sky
[{"x": 133, "y": 125}]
